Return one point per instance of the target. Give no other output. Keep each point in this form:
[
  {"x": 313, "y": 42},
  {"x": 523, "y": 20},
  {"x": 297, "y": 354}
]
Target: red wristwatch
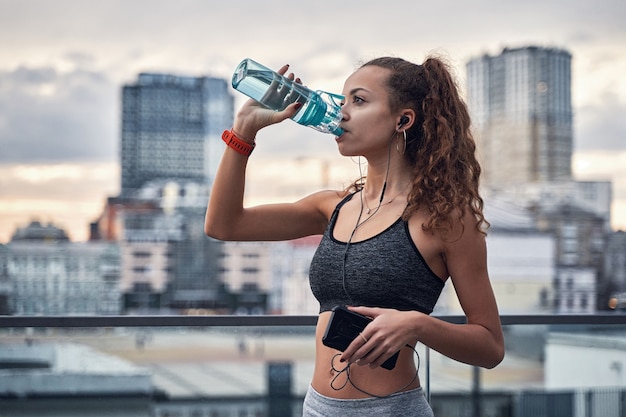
[{"x": 237, "y": 144}]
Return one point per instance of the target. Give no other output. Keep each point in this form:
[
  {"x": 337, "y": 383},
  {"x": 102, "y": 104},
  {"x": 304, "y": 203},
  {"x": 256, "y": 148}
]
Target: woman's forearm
[
  {"x": 226, "y": 199},
  {"x": 469, "y": 343}
]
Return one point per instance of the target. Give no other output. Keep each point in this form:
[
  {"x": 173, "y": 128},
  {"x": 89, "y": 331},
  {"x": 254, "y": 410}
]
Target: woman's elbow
[
  {"x": 215, "y": 230},
  {"x": 495, "y": 357}
]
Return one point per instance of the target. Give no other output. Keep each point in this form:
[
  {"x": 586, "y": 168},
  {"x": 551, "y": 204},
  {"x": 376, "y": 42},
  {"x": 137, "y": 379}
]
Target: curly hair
[{"x": 440, "y": 146}]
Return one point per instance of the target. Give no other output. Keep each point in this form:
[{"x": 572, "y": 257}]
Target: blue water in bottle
[{"x": 319, "y": 110}]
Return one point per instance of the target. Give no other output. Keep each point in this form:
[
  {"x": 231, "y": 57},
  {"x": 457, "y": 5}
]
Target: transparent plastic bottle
[{"x": 319, "y": 110}]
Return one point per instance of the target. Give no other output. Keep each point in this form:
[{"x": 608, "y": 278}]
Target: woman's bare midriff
[{"x": 379, "y": 381}]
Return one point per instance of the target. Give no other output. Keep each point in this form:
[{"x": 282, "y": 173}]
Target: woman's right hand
[{"x": 253, "y": 116}]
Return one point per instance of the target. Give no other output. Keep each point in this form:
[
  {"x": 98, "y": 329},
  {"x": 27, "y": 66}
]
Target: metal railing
[
  {"x": 277, "y": 320},
  {"x": 231, "y": 321}
]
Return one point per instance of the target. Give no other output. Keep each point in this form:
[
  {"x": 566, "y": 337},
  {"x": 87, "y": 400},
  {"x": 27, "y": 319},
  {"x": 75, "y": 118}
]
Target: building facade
[
  {"x": 521, "y": 108},
  {"x": 615, "y": 269},
  {"x": 246, "y": 270},
  {"x": 167, "y": 262},
  {"x": 146, "y": 256},
  {"x": 51, "y": 275},
  {"x": 171, "y": 127},
  {"x": 170, "y": 148},
  {"x": 5, "y": 282},
  {"x": 580, "y": 247},
  {"x": 269, "y": 277},
  {"x": 521, "y": 263},
  {"x": 292, "y": 262}
]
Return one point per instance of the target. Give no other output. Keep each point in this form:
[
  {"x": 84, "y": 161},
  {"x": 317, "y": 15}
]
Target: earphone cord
[
  {"x": 358, "y": 224},
  {"x": 358, "y": 220},
  {"x": 346, "y": 370}
]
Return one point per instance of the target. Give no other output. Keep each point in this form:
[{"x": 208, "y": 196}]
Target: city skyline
[{"x": 64, "y": 64}]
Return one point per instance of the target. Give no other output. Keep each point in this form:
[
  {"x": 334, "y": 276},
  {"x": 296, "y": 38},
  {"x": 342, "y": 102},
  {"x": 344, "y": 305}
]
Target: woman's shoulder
[
  {"x": 461, "y": 225},
  {"x": 327, "y": 200}
]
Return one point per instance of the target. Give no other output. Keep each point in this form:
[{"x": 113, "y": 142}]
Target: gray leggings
[{"x": 403, "y": 404}]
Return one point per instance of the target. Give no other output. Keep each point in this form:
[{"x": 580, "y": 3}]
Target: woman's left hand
[{"x": 389, "y": 331}]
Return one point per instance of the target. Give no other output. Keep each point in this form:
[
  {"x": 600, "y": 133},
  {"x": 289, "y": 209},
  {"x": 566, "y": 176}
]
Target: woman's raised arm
[{"x": 227, "y": 219}]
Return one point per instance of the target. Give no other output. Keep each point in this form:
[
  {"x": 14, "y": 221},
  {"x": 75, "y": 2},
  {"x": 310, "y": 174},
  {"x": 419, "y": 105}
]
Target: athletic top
[{"x": 386, "y": 270}]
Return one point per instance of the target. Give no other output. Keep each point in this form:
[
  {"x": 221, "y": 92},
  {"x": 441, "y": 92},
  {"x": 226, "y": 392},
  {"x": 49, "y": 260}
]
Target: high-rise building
[
  {"x": 170, "y": 148},
  {"x": 171, "y": 127},
  {"x": 521, "y": 108}
]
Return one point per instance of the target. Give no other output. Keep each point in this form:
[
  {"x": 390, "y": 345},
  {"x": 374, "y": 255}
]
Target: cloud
[
  {"x": 605, "y": 165},
  {"x": 48, "y": 115},
  {"x": 601, "y": 126},
  {"x": 70, "y": 195},
  {"x": 62, "y": 65}
]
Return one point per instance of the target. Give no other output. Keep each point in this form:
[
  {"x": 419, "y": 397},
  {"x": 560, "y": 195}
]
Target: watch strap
[{"x": 237, "y": 144}]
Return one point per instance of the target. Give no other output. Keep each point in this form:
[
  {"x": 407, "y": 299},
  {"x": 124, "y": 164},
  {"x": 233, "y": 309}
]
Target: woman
[{"x": 390, "y": 242}]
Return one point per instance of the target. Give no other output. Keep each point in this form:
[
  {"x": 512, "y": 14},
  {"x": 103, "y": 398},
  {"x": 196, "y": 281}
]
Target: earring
[{"x": 401, "y": 151}]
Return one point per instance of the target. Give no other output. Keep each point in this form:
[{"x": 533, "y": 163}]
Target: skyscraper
[
  {"x": 170, "y": 147},
  {"x": 521, "y": 108},
  {"x": 171, "y": 127},
  {"x": 520, "y": 103}
]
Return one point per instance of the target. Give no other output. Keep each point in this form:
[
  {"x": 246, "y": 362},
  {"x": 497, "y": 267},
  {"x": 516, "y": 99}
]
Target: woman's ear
[{"x": 406, "y": 119}]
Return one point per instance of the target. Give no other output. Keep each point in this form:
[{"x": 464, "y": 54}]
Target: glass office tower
[
  {"x": 171, "y": 128},
  {"x": 521, "y": 108}
]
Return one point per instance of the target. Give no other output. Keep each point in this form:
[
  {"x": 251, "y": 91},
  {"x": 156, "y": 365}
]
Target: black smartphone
[{"x": 344, "y": 326}]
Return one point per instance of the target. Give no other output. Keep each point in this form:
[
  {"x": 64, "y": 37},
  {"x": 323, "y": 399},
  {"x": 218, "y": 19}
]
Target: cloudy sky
[{"x": 63, "y": 62}]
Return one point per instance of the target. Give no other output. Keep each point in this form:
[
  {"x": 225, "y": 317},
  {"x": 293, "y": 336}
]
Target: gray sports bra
[{"x": 386, "y": 270}]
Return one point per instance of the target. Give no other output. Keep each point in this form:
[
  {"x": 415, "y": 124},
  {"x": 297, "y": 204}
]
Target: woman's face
[{"x": 368, "y": 123}]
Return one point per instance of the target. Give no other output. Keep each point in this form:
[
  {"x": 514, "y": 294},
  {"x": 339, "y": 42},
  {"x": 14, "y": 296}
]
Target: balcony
[{"x": 240, "y": 366}]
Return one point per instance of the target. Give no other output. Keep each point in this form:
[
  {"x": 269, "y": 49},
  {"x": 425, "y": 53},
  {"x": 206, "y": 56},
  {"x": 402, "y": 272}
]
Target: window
[
  {"x": 570, "y": 231},
  {"x": 584, "y": 302}
]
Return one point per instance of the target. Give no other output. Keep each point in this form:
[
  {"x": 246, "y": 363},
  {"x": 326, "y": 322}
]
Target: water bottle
[{"x": 319, "y": 110}]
